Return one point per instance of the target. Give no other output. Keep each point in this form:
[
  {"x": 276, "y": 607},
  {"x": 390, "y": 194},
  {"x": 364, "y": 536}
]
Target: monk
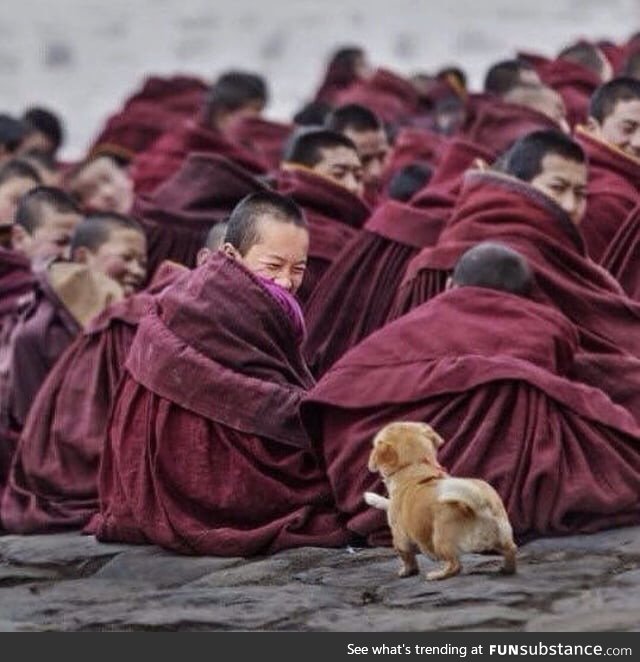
[
  {"x": 53, "y": 484},
  {"x": 101, "y": 184},
  {"x": 486, "y": 367},
  {"x": 347, "y": 66},
  {"x": 16, "y": 178},
  {"x": 12, "y": 133},
  {"x": 45, "y": 221},
  {"x": 44, "y": 131},
  {"x": 222, "y": 465},
  {"x": 109, "y": 253},
  {"x": 355, "y": 295},
  {"x": 234, "y": 95},
  {"x": 322, "y": 172},
  {"x": 368, "y": 134},
  {"x": 611, "y": 141},
  {"x": 535, "y": 205}
]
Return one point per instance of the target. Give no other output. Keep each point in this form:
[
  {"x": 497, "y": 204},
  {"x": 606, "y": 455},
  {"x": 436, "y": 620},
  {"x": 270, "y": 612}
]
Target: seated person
[
  {"x": 368, "y": 134},
  {"x": 611, "y": 141},
  {"x": 217, "y": 362},
  {"x": 234, "y": 95},
  {"x": 487, "y": 368},
  {"x": 109, "y": 253},
  {"x": 322, "y": 172},
  {"x": 101, "y": 184}
]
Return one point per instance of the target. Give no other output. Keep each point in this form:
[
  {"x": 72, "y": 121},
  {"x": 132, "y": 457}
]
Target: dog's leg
[
  {"x": 509, "y": 554},
  {"x": 451, "y": 567},
  {"x": 445, "y": 547},
  {"x": 407, "y": 553}
]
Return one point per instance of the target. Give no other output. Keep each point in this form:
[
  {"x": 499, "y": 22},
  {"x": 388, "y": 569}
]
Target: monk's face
[
  {"x": 621, "y": 127},
  {"x": 373, "y": 148},
  {"x": 280, "y": 254},
  {"x": 343, "y": 166},
  {"x": 102, "y": 185},
  {"x": 51, "y": 238},
  {"x": 10, "y": 193},
  {"x": 565, "y": 182},
  {"x": 123, "y": 257}
]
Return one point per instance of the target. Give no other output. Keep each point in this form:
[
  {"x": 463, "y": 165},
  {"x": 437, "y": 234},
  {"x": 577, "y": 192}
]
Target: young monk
[
  {"x": 109, "y": 252},
  {"x": 16, "y": 178},
  {"x": 322, "y": 172},
  {"x": 611, "y": 141},
  {"x": 487, "y": 368},
  {"x": 217, "y": 362},
  {"x": 45, "y": 221},
  {"x": 53, "y": 484},
  {"x": 101, "y": 184},
  {"x": 368, "y": 134},
  {"x": 234, "y": 95},
  {"x": 45, "y": 131}
]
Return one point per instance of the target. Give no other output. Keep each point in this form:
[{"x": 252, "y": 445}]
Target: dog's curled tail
[
  {"x": 463, "y": 492},
  {"x": 377, "y": 501}
]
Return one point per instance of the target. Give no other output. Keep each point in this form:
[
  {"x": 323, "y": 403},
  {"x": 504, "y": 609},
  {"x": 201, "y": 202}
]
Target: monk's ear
[
  {"x": 230, "y": 251},
  {"x": 480, "y": 164},
  {"x": 202, "y": 256},
  {"x": 593, "y": 126},
  {"x": 19, "y": 238},
  {"x": 81, "y": 255}
]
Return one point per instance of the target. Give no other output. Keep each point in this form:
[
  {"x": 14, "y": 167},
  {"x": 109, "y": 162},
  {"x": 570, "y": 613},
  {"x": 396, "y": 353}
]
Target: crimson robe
[
  {"x": 335, "y": 216},
  {"x": 53, "y": 483},
  {"x": 494, "y": 207},
  {"x": 495, "y": 124},
  {"x": 265, "y": 137},
  {"x": 414, "y": 145},
  {"x": 166, "y": 155},
  {"x": 622, "y": 257},
  {"x": 488, "y": 370},
  {"x": 613, "y": 191},
  {"x": 178, "y": 215},
  {"x": 206, "y": 451}
]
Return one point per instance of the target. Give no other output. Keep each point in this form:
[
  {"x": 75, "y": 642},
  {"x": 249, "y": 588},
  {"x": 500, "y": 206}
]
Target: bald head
[
  {"x": 542, "y": 99},
  {"x": 496, "y": 267}
]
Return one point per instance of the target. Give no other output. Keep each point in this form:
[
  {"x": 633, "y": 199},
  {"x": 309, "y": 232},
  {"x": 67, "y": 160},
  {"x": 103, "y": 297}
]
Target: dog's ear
[
  {"x": 432, "y": 435},
  {"x": 383, "y": 456}
]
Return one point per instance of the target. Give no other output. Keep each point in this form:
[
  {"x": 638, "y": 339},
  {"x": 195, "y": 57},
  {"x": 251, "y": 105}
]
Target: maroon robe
[
  {"x": 622, "y": 258},
  {"x": 574, "y": 83},
  {"x": 488, "y": 371},
  {"x": 390, "y": 96},
  {"x": 166, "y": 155},
  {"x": 265, "y": 137},
  {"x": 178, "y": 215},
  {"x": 53, "y": 483},
  {"x": 335, "y": 216},
  {"x": 411, "y": 146},
  {"x": 179, "y": 94},
  {"x": 613, "y": 191},
  {"x": 498, "y": 208},
  {"x": 495, "y": 124},
  {"x": 206, "y": 452}
]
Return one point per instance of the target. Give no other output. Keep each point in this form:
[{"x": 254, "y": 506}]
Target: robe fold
[
  {"x": 488, "y": 370},
  {"x": 613, "y": 192},
  {"x": 265, "y": 137},
  {"x": 622, "y": 258},
  {"x": 206, "y": 451}
]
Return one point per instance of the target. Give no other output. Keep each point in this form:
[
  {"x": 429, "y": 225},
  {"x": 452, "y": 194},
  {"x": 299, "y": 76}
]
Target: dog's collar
[{"x": 441, "y": 473}]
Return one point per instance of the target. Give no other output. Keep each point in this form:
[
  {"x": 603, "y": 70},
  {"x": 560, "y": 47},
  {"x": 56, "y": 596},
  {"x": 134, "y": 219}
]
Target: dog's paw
[
  {"x": 407, "y": 572},
  {"x": 376, "y": 501}
]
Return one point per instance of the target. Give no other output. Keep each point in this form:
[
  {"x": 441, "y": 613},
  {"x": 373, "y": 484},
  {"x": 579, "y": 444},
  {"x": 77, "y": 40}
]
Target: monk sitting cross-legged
[
  {"x": 206, "y": 453},
  {"x": 486, "y": 367}
]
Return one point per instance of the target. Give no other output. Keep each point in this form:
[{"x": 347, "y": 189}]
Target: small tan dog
[{"x": 430, "y": 511}]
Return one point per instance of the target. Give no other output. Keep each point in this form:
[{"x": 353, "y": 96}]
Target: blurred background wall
[{"x": 83, "y": 57}]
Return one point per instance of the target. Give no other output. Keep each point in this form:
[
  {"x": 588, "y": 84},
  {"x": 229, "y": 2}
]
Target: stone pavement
[{"x": 72, "y": 582}]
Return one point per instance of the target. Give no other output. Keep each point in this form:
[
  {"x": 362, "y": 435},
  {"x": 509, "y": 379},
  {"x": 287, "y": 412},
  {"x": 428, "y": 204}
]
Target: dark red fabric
[
  {"x": 488, "y": 371},
  {"x": 354, "y": 296},
  {"x": 166, "y": 155},
  {"x": 338, "y": 77},
  {"x": 613, "y": 191},
  {"x": 495, "y": 124},
  {"x": 390, "y": 96},
  {"x": 617, "y": 55},
  {"x": 574, "y": 83},
  {"x": 206, "y": 450},
  {"x": 54, "y": 478},
  {"x": 622, "y": 258},
  {"x": 498, "y": 208},
  {"x": 134, "y": 129},
  {"x": 16, "y": 281},
  {"x": 335, "y": 216},
  {"x": 178, "y": 215},
  {"x": 180, "y": 94},
  {"x": 265, "y": 137},
  {"x": 411, "y": 146}
]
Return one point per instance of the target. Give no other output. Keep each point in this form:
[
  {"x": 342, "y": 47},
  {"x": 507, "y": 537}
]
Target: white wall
[{"x": 82, "y": 57}]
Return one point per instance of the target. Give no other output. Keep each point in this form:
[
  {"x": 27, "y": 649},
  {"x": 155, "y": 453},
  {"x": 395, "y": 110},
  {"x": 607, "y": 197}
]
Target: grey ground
[{"x": 71, "y": 582}]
